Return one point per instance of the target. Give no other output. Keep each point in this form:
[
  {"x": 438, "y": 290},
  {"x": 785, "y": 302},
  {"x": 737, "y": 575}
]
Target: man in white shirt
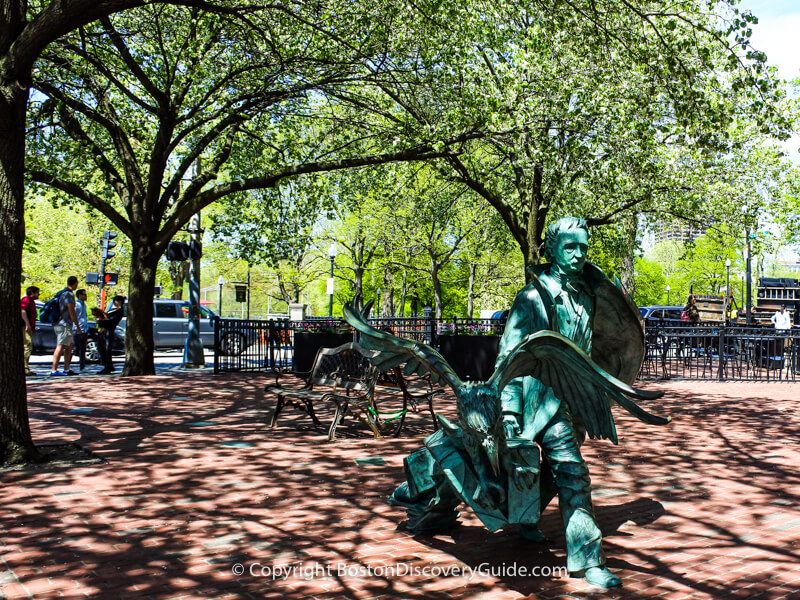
[{"x": 781, "y": 320}]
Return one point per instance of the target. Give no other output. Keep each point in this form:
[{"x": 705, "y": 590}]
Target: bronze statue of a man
[
  {"x": 561, "y": 298},
  {"x": 573, "y": 343}
]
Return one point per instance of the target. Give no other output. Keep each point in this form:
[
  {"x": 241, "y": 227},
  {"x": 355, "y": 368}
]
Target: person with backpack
[
  {"x": 690, "y": 312},
  {"x": 63, "y": 327},
  {"x": 28, "y": 306}
]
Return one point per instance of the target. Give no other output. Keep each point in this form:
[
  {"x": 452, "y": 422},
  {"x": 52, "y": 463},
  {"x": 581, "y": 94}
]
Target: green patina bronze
[{"x": 573, "y": 344}]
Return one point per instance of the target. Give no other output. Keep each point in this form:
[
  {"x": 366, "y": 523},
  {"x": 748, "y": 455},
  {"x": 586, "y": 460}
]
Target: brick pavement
[{"x": 194, "y": 483}]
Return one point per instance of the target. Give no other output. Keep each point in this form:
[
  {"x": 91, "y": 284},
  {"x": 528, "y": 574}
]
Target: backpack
[
  {"x": 50, "y": 313},
  {"x": 685, "y": 315}
]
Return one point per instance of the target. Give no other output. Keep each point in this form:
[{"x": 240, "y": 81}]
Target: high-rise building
[{"x": 680, "y": 232}]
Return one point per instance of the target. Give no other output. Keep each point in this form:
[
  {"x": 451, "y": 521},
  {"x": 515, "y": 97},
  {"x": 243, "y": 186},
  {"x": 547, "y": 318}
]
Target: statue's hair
[{"x": 563, "y": 225}]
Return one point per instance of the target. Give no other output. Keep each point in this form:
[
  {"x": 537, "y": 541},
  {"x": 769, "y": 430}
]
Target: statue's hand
[{"x": 511, "y": 425}]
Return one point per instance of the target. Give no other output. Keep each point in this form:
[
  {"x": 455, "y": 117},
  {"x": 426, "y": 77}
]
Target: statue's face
[{"x": 570, "y": 253}]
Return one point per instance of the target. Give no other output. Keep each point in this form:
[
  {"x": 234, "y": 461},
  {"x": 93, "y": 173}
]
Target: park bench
[
  {"x": 341, "y": 375},
  {"x": 393, "y": 384}
]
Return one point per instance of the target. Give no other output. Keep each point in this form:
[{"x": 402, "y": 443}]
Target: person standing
[
  {"x": 106, "y": 335},
  {"x": 28, "y": 306},
  {"x": 63, "y": 328},
  {"x": 690, "y": 310},
  {"x": 83, "y": 321},
  {"x": 781, "y": 320}
]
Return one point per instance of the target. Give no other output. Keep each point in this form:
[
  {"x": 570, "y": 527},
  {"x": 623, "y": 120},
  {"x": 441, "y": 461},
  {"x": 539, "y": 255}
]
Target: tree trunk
[
  {"x": 387, "y": 302},
  {"x": 358, "y": 284},
  {"x": 473, "y": 267},
  {"x": 139, "y": 333},
  {"x": 16, "y": 443},
  {"x": 532, "y": 244},
  {"x": 404, "y": 294},
  {"x": 178, "y": 272},
  {"x": 437, "y": 291},
  {"x": 627, "y": 262}
]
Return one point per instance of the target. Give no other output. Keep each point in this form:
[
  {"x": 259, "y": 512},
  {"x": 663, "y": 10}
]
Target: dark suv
[{"x": 661, "y": 314}]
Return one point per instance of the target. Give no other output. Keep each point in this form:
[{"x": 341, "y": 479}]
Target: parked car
[
  {"x": 44, "y": 340},
  {"x": 661, "y": 315},
  {"x": 171, "y": 326}
]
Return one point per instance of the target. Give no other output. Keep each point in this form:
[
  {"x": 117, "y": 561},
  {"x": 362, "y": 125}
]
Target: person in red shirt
[{"x": 28, "y": 306}]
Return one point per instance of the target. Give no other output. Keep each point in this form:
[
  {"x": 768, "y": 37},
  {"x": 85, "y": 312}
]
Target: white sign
[{"x": 330, "y": 286}]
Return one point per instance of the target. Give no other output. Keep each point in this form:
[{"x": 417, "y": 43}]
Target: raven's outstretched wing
[
  {"x": 576, "y": 379},
  {"x": 419, "y": 358}
]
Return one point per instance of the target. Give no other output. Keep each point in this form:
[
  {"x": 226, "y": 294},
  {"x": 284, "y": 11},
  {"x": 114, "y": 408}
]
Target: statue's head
[{"x": 566, "y": 244}]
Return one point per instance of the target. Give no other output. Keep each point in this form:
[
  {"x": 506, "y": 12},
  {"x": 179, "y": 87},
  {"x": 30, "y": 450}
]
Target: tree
[
  {"x": 650, "y": 282},
  {"x": 580, "y": 107},
  {"x": 60, "y": 242},
  {"x": 151, "y": 93},
  {"x": 494, "y": 276},
  {"x": 27, "y": 28},
  {"x": 435, "y": 217}
]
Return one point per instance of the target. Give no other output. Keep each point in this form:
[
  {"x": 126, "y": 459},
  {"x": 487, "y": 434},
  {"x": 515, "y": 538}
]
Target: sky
[{"x": 777, "y": 33}]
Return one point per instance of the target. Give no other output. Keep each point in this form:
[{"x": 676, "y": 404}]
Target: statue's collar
[
  {"x": 559, "y": 281},
  {"x": 571, "y": 283}
]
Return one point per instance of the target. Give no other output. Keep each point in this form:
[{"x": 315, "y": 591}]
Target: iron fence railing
[
  {"x": 723, "y": 353},
  {"x": 251, "y": 345},
  {"x": 704, "y": 351}
]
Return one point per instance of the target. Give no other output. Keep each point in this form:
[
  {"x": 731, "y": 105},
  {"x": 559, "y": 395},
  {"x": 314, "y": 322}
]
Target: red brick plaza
[{"x": 195, "y": 487}]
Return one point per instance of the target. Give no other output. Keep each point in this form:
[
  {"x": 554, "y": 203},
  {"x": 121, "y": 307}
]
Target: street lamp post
[
  {"x": 668, "y": 289},
  {"x": 728, "y": 287},
  {"x": 193, "y": 356},
  {"x": 220, "y": 282},
  {"x": 332, "y": 252},
  {"x": 742, "y": 276},
  {"x": 748, "y": 274}
]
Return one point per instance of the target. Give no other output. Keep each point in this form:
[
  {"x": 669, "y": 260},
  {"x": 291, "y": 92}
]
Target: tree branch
[{"x": 79, "y": 192}]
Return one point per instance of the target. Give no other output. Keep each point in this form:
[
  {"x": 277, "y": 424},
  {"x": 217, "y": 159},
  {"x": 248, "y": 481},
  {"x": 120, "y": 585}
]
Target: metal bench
[
  {"x": 393, "y": 383},
  {"x": 342, "y": 375}
]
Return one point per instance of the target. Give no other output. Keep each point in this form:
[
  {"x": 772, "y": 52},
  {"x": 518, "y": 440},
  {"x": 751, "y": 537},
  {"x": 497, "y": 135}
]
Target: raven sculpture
[{"x": 546, "y": 355}]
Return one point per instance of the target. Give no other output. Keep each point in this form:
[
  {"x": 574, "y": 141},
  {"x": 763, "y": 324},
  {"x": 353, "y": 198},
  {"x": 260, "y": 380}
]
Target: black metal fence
[
  {"x": 702, "y": 351},
  {"x": 244, "y": 345},
  {"x": 723, "y": 353}
]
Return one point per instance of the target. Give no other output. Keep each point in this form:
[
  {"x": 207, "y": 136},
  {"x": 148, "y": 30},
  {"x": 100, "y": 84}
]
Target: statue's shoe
[
  {"x": 602, "y": 576},
  {"x": 532, "y": 533}
]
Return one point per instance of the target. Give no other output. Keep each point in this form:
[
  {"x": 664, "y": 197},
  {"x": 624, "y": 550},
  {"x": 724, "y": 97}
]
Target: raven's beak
[{"x": 492, "y": 454}]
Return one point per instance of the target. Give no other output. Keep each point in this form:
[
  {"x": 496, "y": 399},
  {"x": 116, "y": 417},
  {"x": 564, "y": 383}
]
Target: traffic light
[
  {"x": 195, "y": 250},
  {"x": 110, "y": 278},
  {"x": 178, "y": 251},
  {"x": 108, "y": 245}
]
